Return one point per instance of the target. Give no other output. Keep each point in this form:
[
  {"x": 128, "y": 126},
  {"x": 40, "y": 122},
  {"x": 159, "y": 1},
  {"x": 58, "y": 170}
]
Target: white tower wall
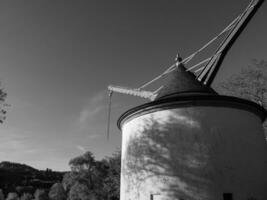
[{"x": 193, "y": 153}]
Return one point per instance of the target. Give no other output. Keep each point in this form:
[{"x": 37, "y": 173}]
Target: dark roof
[{"x": 182, "y": 82}]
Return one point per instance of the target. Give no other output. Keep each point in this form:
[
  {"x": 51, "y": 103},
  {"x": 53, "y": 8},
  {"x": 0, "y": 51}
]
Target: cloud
[
  {"x": 93, "y": 136},
  {"x": 81, "y": 148},
  {"x": 92, "y": 107},
  {"x": 90, "y": 111},
  {"x": 91, "y": 121},
  {"x": 99, "y": 97}
]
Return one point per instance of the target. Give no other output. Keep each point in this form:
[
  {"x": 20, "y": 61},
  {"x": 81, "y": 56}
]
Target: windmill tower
[{"x": 191, "y": 143}]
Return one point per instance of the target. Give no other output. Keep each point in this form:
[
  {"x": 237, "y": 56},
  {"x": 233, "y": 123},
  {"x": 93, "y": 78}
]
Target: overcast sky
[{"x": 57, "y": 58}]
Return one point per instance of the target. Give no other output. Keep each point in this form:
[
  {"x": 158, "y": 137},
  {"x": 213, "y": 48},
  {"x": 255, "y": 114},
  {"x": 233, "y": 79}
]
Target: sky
[{"x": 58, "y": 57}]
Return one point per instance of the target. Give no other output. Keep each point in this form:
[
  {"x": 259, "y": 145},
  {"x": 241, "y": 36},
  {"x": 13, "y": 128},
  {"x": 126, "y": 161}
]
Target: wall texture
[{"x": 194, "y": 153}]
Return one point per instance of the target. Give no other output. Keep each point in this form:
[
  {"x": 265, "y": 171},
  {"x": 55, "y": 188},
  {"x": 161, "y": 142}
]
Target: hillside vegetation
[
  {"x": 88, "y": 179},
  {"x": 21, "y": 178}
]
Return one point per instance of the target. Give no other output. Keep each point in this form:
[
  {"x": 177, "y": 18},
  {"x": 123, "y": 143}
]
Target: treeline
[
  {"x": 93, "y": 180},
  {"x": 88, "y": 179},
  {"x": 21, "y": 178}
]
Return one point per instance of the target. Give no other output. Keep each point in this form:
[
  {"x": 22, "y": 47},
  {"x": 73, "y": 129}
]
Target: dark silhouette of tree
[
  {"x": 69, "y": 180},
  {"x": 26, "y": 196},
  {"x": 250, "y": 83},
  {"x": 3, "y": 95},
  {"x": 101, "y": 179},
  {"x": 83, "y": 162},
  {"x": 2, "y": 197},
  {"x": 40, "y": 194},
  {"x": 12, "y": 196},
  {"x": 80, "y": 191},
  {"x": 86, "y": 166},
  {"x": 111, "y": 183}
]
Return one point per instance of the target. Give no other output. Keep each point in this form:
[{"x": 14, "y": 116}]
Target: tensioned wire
[{"x": 189, "y": 58}]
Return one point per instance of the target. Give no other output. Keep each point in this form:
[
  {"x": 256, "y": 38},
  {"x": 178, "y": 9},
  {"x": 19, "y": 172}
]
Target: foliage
[
  {"x": 40, "y": 194},
  {"x": 69, "y": 179},
  {"x": 57, "y": 192},
  {"x": 83, "y": 172},
  {"x": 3, "y": 95},
  {"x": 25, "y": 179},
  {"x": 83, "y": 162},
  {"x": 26, "y": 196},
  {"x": 2, "y": 197},
  {"x": 91, "y": 179},
  {"x": 112, "y": 180},
  {"x": 87, "y": 170},
  {"x": 12, "y": 196},
  {"x": 16, "y": 167},
  {"x": 250, "y": 83},
  {"x": 80, "y": 191}
]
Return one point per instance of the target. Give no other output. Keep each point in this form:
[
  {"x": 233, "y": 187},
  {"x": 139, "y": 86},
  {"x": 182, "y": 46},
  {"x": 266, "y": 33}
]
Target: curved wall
[{"x": 194, "y": 153}]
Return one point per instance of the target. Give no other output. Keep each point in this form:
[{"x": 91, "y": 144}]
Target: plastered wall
[{"x": 194, "y": 153}]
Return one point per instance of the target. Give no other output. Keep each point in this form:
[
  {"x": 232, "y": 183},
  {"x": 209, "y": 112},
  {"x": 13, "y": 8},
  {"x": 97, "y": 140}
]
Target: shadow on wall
[{"x": 175, "y": 153}]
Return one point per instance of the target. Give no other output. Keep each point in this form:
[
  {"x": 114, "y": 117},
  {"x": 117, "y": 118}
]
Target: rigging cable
[
  {"x": 211, "y": 68},
  {"x": 189, "y": 58},
  {"x": 109, "y": 113}
]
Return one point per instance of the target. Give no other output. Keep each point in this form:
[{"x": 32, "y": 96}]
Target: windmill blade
[
  {"x": 134, "y": 92},
  {"x": 210, "y": 70}
]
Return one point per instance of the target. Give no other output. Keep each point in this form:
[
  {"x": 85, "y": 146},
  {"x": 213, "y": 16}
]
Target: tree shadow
[{"x": 175, "y": 152}]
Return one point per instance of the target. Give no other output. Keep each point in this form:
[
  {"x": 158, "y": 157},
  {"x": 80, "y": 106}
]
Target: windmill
[
  {"x": 190, "y": 142},
  {"x": 205, "y": 71}
]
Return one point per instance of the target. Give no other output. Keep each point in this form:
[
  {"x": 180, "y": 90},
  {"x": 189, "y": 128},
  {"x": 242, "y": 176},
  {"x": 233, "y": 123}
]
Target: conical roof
[{"x": 182, "y": 82}]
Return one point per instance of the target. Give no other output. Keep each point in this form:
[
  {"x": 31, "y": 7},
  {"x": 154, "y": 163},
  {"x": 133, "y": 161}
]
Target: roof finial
[{"x": 178, "y": 59}]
